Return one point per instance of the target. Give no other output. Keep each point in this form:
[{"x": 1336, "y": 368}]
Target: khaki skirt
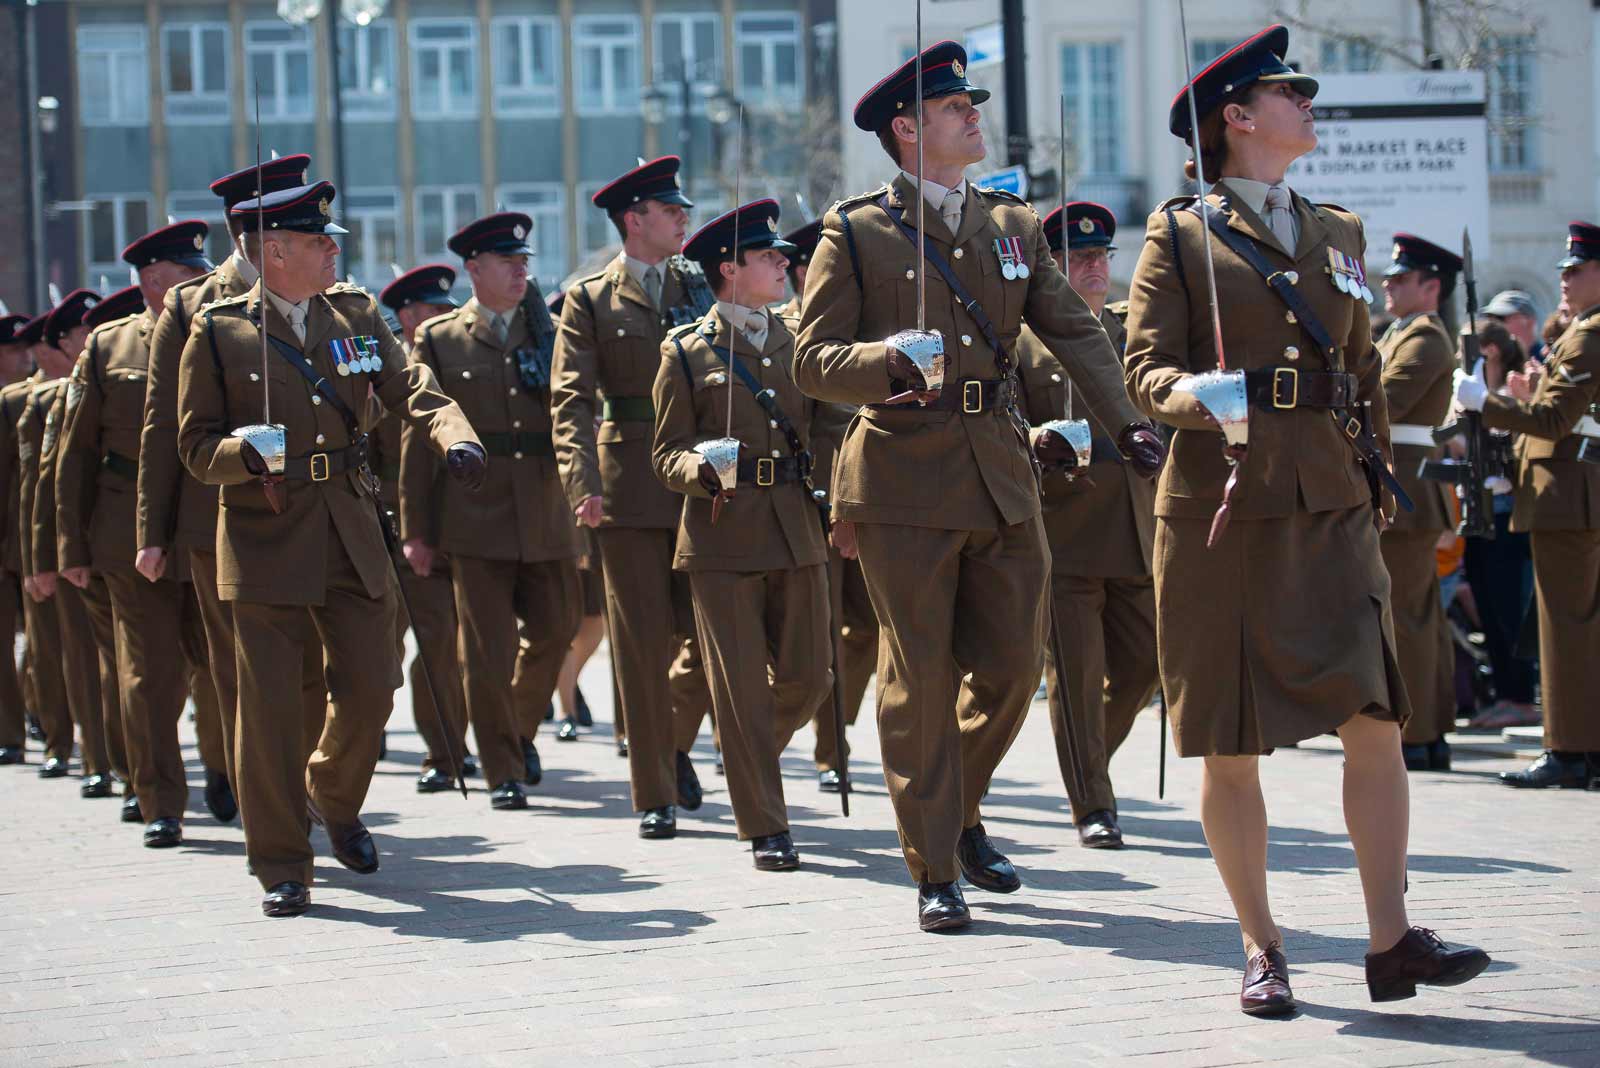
[{"x": 1280, "y": 633}]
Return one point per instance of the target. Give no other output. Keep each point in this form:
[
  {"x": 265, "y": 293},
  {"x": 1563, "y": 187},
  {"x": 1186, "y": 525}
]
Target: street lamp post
[{"x": 719, "y": 110}]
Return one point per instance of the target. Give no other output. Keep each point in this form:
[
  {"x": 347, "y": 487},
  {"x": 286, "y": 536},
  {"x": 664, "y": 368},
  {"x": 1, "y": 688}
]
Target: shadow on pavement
[{"x": 1580, "y": 1035}]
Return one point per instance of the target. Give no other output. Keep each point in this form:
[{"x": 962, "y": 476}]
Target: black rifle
[{"x": 533, "y": 358}]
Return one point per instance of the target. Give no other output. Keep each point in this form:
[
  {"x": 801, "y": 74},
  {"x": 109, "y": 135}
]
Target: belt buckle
[
  {"x": 766, "y": 471},
  {"x": 319, "y": 467},
  {"x": 972, "y": 397},
  {"x": 1292, "y": 374}
]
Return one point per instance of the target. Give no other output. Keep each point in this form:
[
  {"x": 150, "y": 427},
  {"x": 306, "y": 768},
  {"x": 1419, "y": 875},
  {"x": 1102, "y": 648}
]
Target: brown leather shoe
[
  {"x": 1265, "y": 991},
  {"x": 1420, "y": 957}
]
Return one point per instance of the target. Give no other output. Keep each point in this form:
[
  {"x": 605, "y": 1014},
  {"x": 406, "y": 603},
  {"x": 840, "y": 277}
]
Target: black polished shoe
[
  {"x": 13, "y": 754},
  {"x": 532, "y": 769},
  {"x": 622, "y": 748},
  {"x": 774, "y": 852},
  {"x": 659, "y": 823},
  {"x": 585, "y": 717},
  {"x": 95, "y": 786},
  {"x": 435, "y": 781},
  {"x": 1421, "y": 957},
  {"x": 220, "y": 801},
  {"x": 469, "y": 766},
  {"x": 163, "y": 834},
  {"x": 1439, "y": 755},
  {"x": 689, "y": 793},
  {"x": 828, "y": 781},
  {"x": 720, "y": 769},
  {"x": 940, "y": 907},
  {"x": 985, "y": 866},
  {"x": 1099, "y": 830},
  {"x": 507, "y": 796},
  {"x": 1265, "y": 990},
  {"x": 53, "y": 768},
  {"x": 1570, "y": 771},
  {"x": 130, "y": 810},
  {"x": 353, "y": 847},
  {"x": 1415, "y": 756},
  {"x": 568, "y": 731},
  {"x": 286, "y": 899},
  {"x": 35, "y": 730}
]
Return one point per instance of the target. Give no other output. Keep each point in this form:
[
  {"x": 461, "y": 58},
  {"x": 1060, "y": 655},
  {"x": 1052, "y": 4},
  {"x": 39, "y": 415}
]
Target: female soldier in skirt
[{"x": 1281, "y": 629}]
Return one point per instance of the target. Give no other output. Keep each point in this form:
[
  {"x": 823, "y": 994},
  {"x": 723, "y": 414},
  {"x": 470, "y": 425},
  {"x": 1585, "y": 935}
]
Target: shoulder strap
[
  {"x": 1177, "y": 250},
  {"x": 683, "y": 361},
  {"x": 985, "y": 325},
  {"x": 323, "y": 387},
  {"x": 769, "y": 404},
  {"x": 850, "y": 245},
  {"x": 1247, "y": 249}
]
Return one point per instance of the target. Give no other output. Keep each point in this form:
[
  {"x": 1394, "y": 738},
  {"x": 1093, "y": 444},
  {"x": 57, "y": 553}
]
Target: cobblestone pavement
[{"x": 555, "y": 935}]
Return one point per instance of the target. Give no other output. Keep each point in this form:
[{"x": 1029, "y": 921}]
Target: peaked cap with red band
[
  {"x": 944, "y": 71},
  {"x": 182, "y": 242},
  {"x": 285, "y": 172},
  {"x": 304, "y": 209},
  {"x": 505, "y": 232},
  {"x": 656, "y": 180},
  {"x": 119, "y": 305},
  {"x": 1258, "y": 59}
]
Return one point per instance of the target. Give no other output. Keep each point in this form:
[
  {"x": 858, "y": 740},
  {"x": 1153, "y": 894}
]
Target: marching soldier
[
  {"x": 940, "y": 484},
  {"x": 1418, "y": 358},
  {"x": 757, "y": 571},
  {"x": 158, "y": 638},
  {"x": 606, "y": 356},
  {"x": 88, "y": 656},
  {"x": 13, "y": 724},
  {"x": 1274, "y": 624},
  {"x": 1558, "y": 503},
  {"x": 1101, "y": 526},
  {"x": 176, "y": 524},
  {"x": 849, "y": 605},
  {"x": 415, "y": 297},
  {"x": 301, "y": 553},
  {"x": 512, "y": 545}
]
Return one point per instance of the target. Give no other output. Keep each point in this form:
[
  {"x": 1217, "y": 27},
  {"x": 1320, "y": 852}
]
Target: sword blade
[{"x": 922, "y": 201}]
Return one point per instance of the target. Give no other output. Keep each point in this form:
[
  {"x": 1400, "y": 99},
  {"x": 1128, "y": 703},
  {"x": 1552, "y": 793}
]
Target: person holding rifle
[{"x": 1274, "y": 626}]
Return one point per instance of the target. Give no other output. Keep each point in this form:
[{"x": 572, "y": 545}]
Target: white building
[{"x": 1120, "y": 62}]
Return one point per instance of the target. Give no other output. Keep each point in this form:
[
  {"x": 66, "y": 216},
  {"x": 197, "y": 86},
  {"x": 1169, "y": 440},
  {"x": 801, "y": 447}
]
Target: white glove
[
  {"x": 1470, "y": 391},
  {"x": 1499, "y": 485}
]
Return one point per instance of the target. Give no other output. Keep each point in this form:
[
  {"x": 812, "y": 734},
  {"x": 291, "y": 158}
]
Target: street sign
[
  {"x": 1010, "y": 180},
  {"x": 985, "y": 44},
  {"x": 1405, "y": 152}
]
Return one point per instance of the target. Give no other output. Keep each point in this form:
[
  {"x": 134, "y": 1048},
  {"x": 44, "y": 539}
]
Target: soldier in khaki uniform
[
  {"x": 850, "y": 606},
  {"x": 606, "y": 356},
  {"x": 415, "y": 297},
  {"x": 1558, "y": 503},
  {"x": 1418, "y": 358},
  {"x": 942, "y": 493},
  {"x": 758, "y": 570},
  {"x": 158, "y": 639},
  {"x": 87, "y": 650},
  {"x": 1274, "y": 625},
  {"x": 512, "y": 545},
  {"x": 177, "y": 513},
  {"x": 300, "y": 554},
  {"x": 1101, "y": 526},
  {"x": 13, "y": 725}
]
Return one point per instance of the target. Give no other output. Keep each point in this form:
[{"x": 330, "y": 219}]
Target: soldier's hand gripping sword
[{"x": 268, "y": 440}]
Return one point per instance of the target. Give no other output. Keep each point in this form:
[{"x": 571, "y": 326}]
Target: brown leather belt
[
  {"x": 120, "y": 465},
  {"x": 770, "y": 471},
  {"x": 516, "y": 444},
  {"x": 970, "y": 396},
  {"x": 321, "y": 466},
  {"x": 1285, "y": 388}
]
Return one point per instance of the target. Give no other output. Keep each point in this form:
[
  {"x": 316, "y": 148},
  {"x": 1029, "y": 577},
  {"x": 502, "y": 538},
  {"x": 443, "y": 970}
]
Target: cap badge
[
  {"x": 322, "y": 206},
  {"x": 1086, "y": 225},
  {"x": 199, "y": 242},
  {"x": 444, "y": 284},
  {"x": 772, "y": 224},
  {"x": 518, "y": 232},
  {"x": 957, "y": 69}
]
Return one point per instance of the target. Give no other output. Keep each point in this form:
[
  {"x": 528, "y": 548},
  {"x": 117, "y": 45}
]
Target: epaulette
[
  {"x": 598, "y": 276},
  {"x": 859, "y": 199},
  {"x": 1119, "y": 308},
  {"x": 678, "y": 332},
  {"x": 1177, "y": 203},
  {"x": 790, "y": 321},
  {"x": 226, "y": 302},
  {"x": 346, "y": 289},
  {"x": 1340, "y": 208},
  {"x": 1004, "y": 194}
]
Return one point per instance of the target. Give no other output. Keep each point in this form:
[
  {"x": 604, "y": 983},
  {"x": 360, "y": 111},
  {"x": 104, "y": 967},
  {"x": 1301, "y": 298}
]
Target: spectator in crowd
[{"x": 1514, "y": 309}]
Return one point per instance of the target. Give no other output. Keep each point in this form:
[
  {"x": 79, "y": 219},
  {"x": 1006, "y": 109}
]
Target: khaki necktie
[
  {"x": 1280, "y": 216},
  {"x": 652, "y": 285},
  {"x": 502, "y": 330},
  {"x": 950, "y": 210},
  {"x": 297, "y": 321},
  {"x": 755, "y": 328}
]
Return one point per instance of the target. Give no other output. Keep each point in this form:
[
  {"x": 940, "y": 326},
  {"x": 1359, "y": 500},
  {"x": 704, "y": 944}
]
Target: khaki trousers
[
  {"x": 329, "y": 758},
  {"x": 13, "y": 723},
  {"x": 433, "y": 620},
  {"x": 851, "y": 608},
  {"x": 491, "y": 597},
  {"x": 660, "y": 681},
  {"x": 80, "y": 661},
  {"x": 1108, "y": 631},
  {"x": 764, "y": 638},
  {"x": 1421, "y": 634},
  {"x": 148, "y": 617},
  {"x": 1566, "y": 572},
  {"x": 46, "y": 664},
  {"x": 962, "y": 618},
  {"x": 209, "y": 738}
]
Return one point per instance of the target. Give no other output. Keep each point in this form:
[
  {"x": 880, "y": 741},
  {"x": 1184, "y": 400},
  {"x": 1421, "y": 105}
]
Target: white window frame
[
  {"x": 94, "y": 42},
  {"x": 454, "y": 217},
  {"x": 546, "y": 204},
  {"x": 770, "y": 95},
  {"x": 361, "y": 102},
  {"x": 593, "y": 217},
  {"x": 1347, "y": 56},
  {"x": 357, "y": 215},
  {"x": 122, "y": 234},
  {"x": 610, "y": 100},
  {"x": 449, "y": 106},
  {"x": 667, "y": 72},
  {"x": 218, "y": 103},
  {"x": 276, "y": 99},
  {"x": 202, "y": 204},
  {"x": 1089, "y": 134},
  {"x": 1525, "y": 115},
  {"x": 537, "y": 94}
]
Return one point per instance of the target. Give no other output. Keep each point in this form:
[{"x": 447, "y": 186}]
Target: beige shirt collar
[
  {"x": 934, "y": 193},
  {"x": 285, "y": 307},
  {"x": 752, "y": 322},
  {"x": 637, "y": 269},
  {"x": 244, "y": 268},
  {"x": 1253, "y": 193}
]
